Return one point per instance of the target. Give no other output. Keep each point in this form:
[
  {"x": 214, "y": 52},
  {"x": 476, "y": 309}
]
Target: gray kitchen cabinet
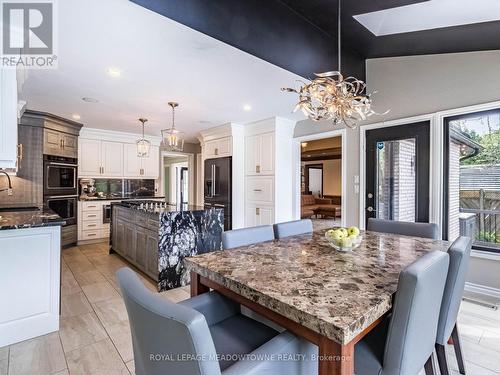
[
  {"x": 140, "y": 246},
  {"x": 60, "y": 144},
  {"x": 152, "y": 254}
]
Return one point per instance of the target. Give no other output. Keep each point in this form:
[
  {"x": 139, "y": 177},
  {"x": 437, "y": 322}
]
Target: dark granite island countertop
[
  {"x": 157, "y": 237},
  {"x": 337, "y": 295},
  {"x": 16, "y": 217}
]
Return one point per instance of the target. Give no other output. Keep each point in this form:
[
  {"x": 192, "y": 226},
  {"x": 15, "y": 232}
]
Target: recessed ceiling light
[
  {"x": 90, "y": 100},
  {"x": 76, "y": 116},
  {"x": 247, "y": 107},
  {"x": 114, "y": 72}
]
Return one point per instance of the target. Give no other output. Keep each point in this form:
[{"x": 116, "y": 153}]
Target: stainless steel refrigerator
[{"x": 218, "y": 187}]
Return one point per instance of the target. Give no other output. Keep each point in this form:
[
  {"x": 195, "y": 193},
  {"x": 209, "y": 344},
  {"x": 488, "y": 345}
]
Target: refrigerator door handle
[{"x": 213, "y": 180}]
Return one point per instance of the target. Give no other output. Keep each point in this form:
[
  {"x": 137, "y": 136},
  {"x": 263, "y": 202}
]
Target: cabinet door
[
  {"x": 252, "y": 151},
  {"x": 132, "y": 163},
  {"x": 265, "y": 215},
  {"x": 112, "y": 159},
  {"x": 152, "y": 254},
  {"x": 140, "y": 247},
  {"x": 209, "y": 149},
  {"x": 119, "y": 237},
  {"x": 266, "y": 153},
  {"x": 151, "y": 164},
  {"x": 8, "y": 118},
  {"x": 130, "y": 244},
  {"x": 70, "y": 145},
  {"x": 260, "y": 189},
  {"x": 251, "y": 215},
  {"x": 52, "y": 143},
  {"x": 89, "y": 158}
]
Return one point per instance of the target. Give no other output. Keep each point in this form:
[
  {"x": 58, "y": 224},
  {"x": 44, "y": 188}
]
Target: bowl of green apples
[{"x": 344, "y": 239}]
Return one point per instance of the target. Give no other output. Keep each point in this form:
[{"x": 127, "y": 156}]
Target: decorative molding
[
  {"x": 488, "y": 255},
  {"x": 221, "y": 131},
  {"x": 21, "y": 108},
  {"x": 115, "y": 136},
  {"x": 482, "y": 289}
]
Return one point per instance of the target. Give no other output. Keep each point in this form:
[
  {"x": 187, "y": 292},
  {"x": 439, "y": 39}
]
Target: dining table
[{"x": 330, "y": 298}]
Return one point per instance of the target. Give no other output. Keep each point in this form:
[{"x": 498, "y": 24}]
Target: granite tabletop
[
  {"x": 335, "y": 294},
  {"x": 28, "y": 217}
]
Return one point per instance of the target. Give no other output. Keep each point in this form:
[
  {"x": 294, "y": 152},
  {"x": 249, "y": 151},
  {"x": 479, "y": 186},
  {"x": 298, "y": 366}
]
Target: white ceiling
[
  {"x": 160, "y": 61},
  {"x": 433, "y": 14}
]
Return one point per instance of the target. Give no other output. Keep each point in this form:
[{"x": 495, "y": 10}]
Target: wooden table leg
[
  {"x": 197, "y": 287},
  {"x": 335, "y": 359}
]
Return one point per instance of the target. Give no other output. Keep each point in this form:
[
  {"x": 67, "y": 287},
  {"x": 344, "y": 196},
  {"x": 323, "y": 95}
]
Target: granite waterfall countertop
[
  {"x": 337, "y": 295},
  {"x": 29, "y": 217}
]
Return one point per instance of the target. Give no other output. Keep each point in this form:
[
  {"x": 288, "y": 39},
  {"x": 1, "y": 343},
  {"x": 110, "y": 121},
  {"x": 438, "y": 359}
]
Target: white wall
[{"x": 417, "y": 85}]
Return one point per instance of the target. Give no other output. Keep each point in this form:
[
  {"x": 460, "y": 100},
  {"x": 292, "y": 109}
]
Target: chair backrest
[
  {"x": 307, "y": 200},
  {"x": 293, "y": 228},
  {"x": 247, "y": 236},
  {"x": 162, "y": 330},
  {"x": 415, "y": 314},
  {"x": 427, "y": 230},
  {"x": 459, "y": 262}
]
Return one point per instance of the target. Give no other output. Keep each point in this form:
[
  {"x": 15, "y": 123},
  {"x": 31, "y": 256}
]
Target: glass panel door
[{"x": 397, "y": 172}]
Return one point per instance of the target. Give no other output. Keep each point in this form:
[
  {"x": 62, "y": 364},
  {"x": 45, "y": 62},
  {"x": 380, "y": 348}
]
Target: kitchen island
[
  {"x": 30, "y": 265},
  {"x": 155, "y": 237}
]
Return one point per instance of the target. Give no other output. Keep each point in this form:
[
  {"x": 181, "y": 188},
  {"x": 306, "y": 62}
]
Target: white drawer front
[
  {"x": 91, "y": 235},
  {"x": 91, "y": 206},
  {"x": 92, "y": 216},
  {"x": 91, "y": 225},
  {"x": 260, "y": 189}
]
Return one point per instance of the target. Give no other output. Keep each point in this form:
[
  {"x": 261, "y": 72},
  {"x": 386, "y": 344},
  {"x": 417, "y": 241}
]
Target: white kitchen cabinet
[
  {"x": 260, "y": 189},
  {"x": 112, "y": 159},
  {"x": 89, "y": 158},
  {"x": 144, "y": 167},
  {"x": 257, "y": 214},
  {"x": 8, "y": 118},
  {"x": 218, "y": 148},
  {"x": 259, "y": 154}
]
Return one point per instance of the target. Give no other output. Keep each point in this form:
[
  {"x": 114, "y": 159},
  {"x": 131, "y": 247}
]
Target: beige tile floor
[{"x": 94, "y": 335}]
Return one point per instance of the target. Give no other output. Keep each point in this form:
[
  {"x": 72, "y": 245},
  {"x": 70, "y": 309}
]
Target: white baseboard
[{"x": 481, "y": 289}]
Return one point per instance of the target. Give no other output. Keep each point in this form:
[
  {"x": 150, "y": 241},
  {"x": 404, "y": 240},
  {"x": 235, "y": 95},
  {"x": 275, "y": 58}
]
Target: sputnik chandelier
[{"x": 332, "y": 97}]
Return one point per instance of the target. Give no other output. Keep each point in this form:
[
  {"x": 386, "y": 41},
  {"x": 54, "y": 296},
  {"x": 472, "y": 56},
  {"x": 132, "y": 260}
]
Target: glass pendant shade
[
  {"x": 143, "y": 145},
  {"x": 171, "y": 140}
]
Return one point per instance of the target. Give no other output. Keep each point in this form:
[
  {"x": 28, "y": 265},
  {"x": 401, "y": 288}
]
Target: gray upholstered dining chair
[
  {"x": 427, "y": 230},
  {"x": 459, "y": 261},
  {"x": 404, "y": 342},
  {"x": 293, "y": 228},
  {"x": 204, "y": 335},
  {"x": 247, "y": 236}
]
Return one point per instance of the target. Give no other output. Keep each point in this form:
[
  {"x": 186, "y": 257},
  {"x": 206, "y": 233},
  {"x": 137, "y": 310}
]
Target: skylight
[{"x": 433, "y": 14}]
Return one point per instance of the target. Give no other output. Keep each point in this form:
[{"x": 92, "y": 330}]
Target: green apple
[
  {"x": 345, "y": 242},
  {"x": 335, "y": 234},
  {"x": 344, "y": 231},
  {"x": 353, "y": 231}
]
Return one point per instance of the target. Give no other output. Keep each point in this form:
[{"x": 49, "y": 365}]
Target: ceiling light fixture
[
  {"x": 143, "y": 144},
  {"x": 247, "y": 107},
  {"x": 170, "y": 137},
  {"x": 90, "y": 100},
  {"x": 332, "y": 97},
  {"x": 76, "y": 116},
  {"x": 113, "y": 72}
]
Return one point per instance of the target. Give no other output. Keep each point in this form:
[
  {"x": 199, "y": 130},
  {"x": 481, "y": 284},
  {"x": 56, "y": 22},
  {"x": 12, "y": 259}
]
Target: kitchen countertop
[
  {"x": 41, "y": 216},
  {"x": 337, "y": 295},
  {"x": 160, "y": 210},
  {"x": 118, "y": 198}
]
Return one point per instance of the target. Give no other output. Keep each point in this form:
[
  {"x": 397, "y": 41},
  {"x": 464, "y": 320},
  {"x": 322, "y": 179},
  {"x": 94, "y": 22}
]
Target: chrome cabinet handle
[
  {"x": 257, "y": 190},
  {"x": 257, "y": 169},
  {"x": 257, "y": 210}
]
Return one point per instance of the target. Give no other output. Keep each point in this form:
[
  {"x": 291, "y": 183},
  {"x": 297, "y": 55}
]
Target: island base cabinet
[
  {"x": 133, "y": 238},
  {"x": 30, "y": 265}
]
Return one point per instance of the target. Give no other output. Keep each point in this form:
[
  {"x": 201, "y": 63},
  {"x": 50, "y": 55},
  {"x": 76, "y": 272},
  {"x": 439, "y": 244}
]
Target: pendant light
[
  {"x": 332, "y": 97},
  {"x": 143, "y": 145},
  {"x": 171, "y": 140}
]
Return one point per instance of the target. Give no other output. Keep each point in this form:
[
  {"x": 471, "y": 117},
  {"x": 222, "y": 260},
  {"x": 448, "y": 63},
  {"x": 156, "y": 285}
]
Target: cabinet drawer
[
  {"x": 92, "y": 216},
  {"x": 91, "y": 225},
  {"x": 91, "y": 235},
  {"x": 91, "y": 206},
  {"x": 260, "y": 189}
]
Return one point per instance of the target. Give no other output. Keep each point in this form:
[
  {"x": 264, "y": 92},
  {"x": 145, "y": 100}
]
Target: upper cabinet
[
  {"x": 8, "y": 118},
  {"x": 218, "y": 148},
  {"x": 60, "y": 144},
  {"x": 116, "y": 159},
  {"x": 100, "y": 158},
  {"x": 144, "y": 167},
  {"x": 259, "y": 154}
]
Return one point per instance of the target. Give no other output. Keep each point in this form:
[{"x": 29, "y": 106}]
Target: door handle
[{"x": 213, "y": 180}]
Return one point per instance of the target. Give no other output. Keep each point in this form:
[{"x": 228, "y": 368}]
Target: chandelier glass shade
[
  {"x": 143, "y": 145},
  {"x": 171, "y": 139},
  {"x": 332, "y": 97}
]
